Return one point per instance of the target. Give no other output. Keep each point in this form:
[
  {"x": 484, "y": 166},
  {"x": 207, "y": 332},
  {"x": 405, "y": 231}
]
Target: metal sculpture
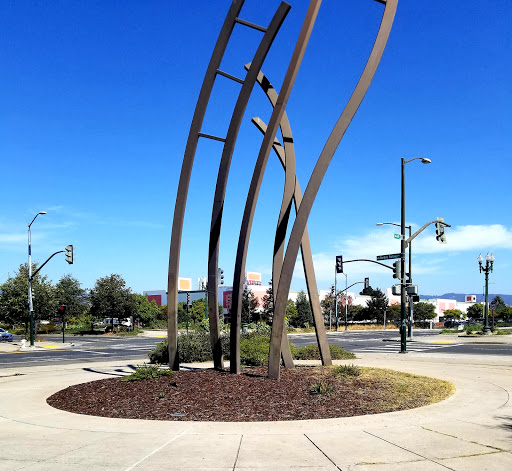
[
  {"x": 282, "y": 266},
  {"x": 292, "y": 193},
  {"x": 309, "y": 196},
  {"x": 186, "y": 170}
]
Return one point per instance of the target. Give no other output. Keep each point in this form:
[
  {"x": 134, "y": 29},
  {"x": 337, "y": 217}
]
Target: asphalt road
[
  {"x": 84, "y": 349},
  {"x": 102, "y": 348}
]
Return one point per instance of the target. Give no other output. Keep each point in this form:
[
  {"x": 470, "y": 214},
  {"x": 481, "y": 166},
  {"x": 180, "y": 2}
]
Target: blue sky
[{"x": 96, "y": 103}]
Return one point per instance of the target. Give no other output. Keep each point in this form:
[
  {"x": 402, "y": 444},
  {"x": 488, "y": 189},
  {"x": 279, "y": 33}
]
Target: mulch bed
[{"x": 209, "y": 395}]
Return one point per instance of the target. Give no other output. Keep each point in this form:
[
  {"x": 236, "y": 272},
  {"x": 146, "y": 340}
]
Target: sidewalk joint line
[
  {"x": 238, "y": 452},
  {"x": 158, "y": 449},
  {"x": 410, "y": 451},
  {"x": 323, "y": 453}
]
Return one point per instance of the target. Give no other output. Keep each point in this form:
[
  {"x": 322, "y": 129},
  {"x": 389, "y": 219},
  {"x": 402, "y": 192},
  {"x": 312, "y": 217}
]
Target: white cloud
[{"x": 477, "y": 238}]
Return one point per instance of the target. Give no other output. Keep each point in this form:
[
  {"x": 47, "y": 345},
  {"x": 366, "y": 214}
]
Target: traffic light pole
[
  {"x": 403, "y": 245},
  {"x": 335, "y": 299}
]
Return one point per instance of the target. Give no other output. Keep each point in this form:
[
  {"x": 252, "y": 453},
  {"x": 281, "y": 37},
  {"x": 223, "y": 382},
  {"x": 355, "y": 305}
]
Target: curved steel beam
[
  {"x": 222, "y": 177},
  {"x": 286, "y": 156},
  {"x": 315, "y": 181},
  {"x": 255, "y": 185},
  {"x": 184, "y": 182}
]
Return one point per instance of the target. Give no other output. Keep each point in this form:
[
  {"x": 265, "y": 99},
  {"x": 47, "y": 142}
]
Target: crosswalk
[{"x": 394, "y": 347}]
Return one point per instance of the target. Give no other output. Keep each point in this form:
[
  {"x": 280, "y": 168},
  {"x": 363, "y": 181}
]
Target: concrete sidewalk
[{"x": 472, "y": 430}]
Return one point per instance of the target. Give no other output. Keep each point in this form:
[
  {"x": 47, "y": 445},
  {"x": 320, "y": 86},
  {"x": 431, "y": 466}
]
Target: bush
[
  {"x": 194, "y": 347},
  {"x": 345, "y": 370},
  {"x": 160, "y": 353},
  {"x": 473, "y": 328},
  {"x": 312, "y": 352},
  {"x": 254, "y": 350},
  {"x": 144, "y": 372}
]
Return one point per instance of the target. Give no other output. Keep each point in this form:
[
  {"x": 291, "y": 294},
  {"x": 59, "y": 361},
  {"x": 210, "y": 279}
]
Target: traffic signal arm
[
  {"x": 46, "y": 261},
  {"x": 422, "y": 228}
]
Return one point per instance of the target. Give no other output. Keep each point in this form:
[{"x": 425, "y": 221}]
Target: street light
[
  {"x": 403, "y": 321},
  {"x": 30, "y": 305},
  {"x": 489, "y": 262},
  {"x": 409, "y": 333}
]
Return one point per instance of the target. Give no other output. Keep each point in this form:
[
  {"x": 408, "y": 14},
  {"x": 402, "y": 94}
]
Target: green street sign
[{"x": 399, "y": 237}]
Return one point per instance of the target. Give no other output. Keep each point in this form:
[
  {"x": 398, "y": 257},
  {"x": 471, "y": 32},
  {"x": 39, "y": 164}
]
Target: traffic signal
[
  {"x": 339, "y": 264},
  {"x": 397, "y": 269},
  {"x": 188, "y": 299},
  {"x": 440, "y": 235},
  {"x": 62, "y": 309},
  {"x": 221, "y": 276},
  {"x": 366, "y": 283},
  {"x": 69, "y": 254}
]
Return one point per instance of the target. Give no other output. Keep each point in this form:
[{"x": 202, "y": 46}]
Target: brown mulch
[{"x": 209, "y": 395}]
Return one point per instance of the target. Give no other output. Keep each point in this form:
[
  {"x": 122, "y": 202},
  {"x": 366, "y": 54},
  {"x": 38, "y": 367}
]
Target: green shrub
[
  {"x": 144, "y": 372},
  {"x": 254, "y": 350},
  {"x": 263, "y": 329},
  {"x": 194, "y": 347},
  {"x": 345, "y": 370},
  {"x": 312, "y": 352},
  {"x": 321, "y": 388},
  {"x": 160, "y": 353},
  {"x": 473, "y": 328}
]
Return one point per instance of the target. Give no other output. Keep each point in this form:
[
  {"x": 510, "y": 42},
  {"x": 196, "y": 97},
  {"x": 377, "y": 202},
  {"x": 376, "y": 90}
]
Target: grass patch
[
  {"x": 312, "y": 352},
  {"x": 406, "y": 390},
  {"x": 144, "y": 372},
  {"x": 345, "y": 370},
  {"x": 502, "y": 332}
]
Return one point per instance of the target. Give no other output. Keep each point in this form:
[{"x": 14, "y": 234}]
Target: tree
[
  {"x": 197, "y": 312},
  {"x": 394, "y": 312},
  {"x": 498, "y": 307},
  {"x": 476, "y": 311},
  {"x": 368, "y": 291},
  {"x": 304, "y": 316},
  {"x": 68, "y": 292},
  {"x": 145, "y": 312},
  {"x": 291, "y": 312},
  {"x": 267, "y": 313},
  {"x": 249, "y": 306},
  {"x": 376, "y": 306},
  {"x": 14, "y": 307},
  {"x": 454, "y": 314},
  {"x": 424, "y": 311},
  {"x": 111, "y": 298},
  {"x": 355, "y": 312}
]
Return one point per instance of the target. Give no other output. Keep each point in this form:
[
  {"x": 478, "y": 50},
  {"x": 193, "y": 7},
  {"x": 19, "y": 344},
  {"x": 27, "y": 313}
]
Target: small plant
[
  {"x": 145, "y": 371},
  {"x": 161, "y": 395},
  {"x": 321, "y": 388},
  {"x": 346, "y": 370}
]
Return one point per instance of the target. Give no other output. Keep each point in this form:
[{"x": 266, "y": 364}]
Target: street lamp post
[
  {"x": 30, "y": 303},
  {"x": 403, "y": 246},
  {"x": 489, "y": 262}
]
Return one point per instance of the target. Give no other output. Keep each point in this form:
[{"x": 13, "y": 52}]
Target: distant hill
[{"x": 507, "y": 298}]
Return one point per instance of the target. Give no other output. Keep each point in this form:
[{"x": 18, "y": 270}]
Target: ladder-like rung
[
  {"x": 250, "y": 25},
  {"x": 229, "y": 76},
  {"x": 210, "y": 136}
]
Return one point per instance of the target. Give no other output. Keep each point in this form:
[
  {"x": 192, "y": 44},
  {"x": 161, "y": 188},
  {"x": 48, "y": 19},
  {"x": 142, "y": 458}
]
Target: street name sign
[
  {"x": 399, "y": 236},
  {"x": 390, "y": 256}
]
